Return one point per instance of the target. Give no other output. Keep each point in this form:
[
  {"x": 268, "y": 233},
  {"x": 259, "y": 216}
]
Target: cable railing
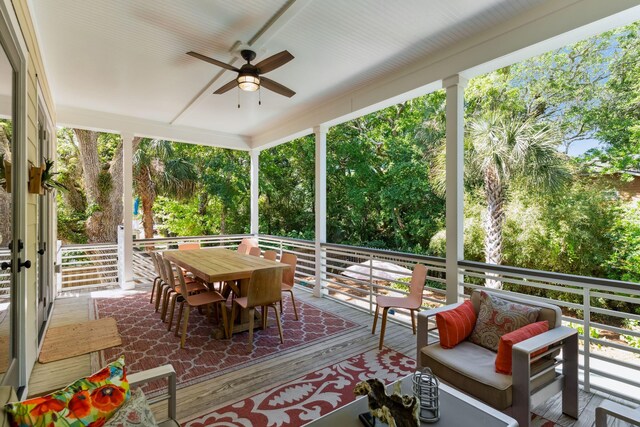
[
  {"x": 88, "y": 266},
  {"x": 305, "y": 250},
  {"x": 605, "y": 312}
]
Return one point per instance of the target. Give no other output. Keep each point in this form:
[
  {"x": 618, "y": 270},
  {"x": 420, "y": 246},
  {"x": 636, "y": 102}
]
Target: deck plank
[{"x": 231, "y": 387}]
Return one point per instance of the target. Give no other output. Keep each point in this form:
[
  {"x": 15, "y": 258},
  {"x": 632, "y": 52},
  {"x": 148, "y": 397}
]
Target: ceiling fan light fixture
[{"x": 248, "y": 82}]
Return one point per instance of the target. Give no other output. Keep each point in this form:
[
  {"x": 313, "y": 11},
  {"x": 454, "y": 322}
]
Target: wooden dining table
[{"x": 213, "y": 265}]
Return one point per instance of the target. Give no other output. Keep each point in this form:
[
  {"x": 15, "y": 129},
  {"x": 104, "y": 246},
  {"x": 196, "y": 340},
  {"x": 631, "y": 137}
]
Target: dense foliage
[{"x": 535, "y": 194}]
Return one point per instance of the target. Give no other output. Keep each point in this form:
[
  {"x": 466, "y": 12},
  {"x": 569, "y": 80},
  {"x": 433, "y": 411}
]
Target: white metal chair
[{"x": 616, "y": 410}]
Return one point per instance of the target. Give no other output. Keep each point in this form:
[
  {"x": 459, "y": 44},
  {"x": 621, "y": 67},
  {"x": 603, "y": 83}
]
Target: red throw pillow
[
  {"x": 505, "y": 347},
  {"x": 455, "y": 325}
]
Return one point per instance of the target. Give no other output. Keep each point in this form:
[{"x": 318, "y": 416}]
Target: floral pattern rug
[
  {"x": 302, "y": 400},
  {"x": 146, "y": 343}
]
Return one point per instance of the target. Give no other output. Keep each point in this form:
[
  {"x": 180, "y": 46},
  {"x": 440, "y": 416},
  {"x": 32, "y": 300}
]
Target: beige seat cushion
[{"x": 471, "y": 368}]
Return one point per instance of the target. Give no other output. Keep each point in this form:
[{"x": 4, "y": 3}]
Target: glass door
[{"x": 8, "y": 198}]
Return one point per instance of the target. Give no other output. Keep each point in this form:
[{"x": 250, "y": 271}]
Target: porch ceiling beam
[
  {"x": 115, "y": 123},
  {"x": 547, "y": 27}
]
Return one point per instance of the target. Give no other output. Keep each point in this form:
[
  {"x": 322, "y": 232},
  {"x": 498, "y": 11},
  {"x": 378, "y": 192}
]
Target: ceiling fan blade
[
  {"x": 213, "y": 61},
  {"x": 276, "y": 87},
  {"x": 226, "y": 88},
  {"x": 274, "y": 61}
]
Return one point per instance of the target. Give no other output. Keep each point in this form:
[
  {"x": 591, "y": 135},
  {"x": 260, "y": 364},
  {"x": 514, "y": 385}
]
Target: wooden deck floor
[{"x": 234, "y": 386}]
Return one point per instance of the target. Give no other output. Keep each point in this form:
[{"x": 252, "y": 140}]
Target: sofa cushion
[
  {"x": 455, "y": 325},
  {"x": 135, "y": 412},
  {"x": 498, "y": 316},
  {"x": 471, "y": 368},
  {"x": 505, "y": 348},
  {"x": 88, "y": 400}
]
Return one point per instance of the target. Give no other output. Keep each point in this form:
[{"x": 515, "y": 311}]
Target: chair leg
[
  {"x": 173, "y": 307},
  {"x": 165, "y": 304},
  {"x": 160, "y": 292},
  {"x": 233, "y": 319},
  {"x": 281, "y": 309},
  {"x": 375, "y": 320},
  {"x": 153, "y": 289},
  {"x": 293, "y": 302},
  {"x": 184, "y": 327},
  {"x": 265, "y": 313},
  {"x": 279, "y": 324},
  {"x": 383, "y": 326},
  {"x": 413, "y": 321},
  {"x": 179, "y": 318},
  {"x": 252, "y": 314},
  {"x": 225, "y": 326}
]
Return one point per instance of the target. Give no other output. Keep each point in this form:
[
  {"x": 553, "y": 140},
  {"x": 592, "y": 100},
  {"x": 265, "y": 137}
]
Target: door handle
[{"x": 7, "y": 265}]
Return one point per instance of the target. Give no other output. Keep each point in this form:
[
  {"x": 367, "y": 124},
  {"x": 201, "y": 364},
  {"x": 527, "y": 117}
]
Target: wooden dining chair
[
  {"x": 263, "y": 291},
  {"x": 187, "y": 246},
  {"x": 255, "y": 251},
  {"x": 242, "y": 248},
  {"x": 411, "y": 302},
  {"x": 270, "y": 255},
  {"x": 288, "y": 277},
  {"x": 179, "y": 290},
  {"x": 198, "y": 300},
  {"x": 157, "y": 281}
]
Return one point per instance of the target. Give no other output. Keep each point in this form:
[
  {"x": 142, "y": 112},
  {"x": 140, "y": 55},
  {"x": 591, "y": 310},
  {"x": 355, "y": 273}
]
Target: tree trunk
[
  {"x": 203, "y": 202},
  {"x": 494, "y": 222},
  {"x": 223, "y": 219},
  {"x": 103, "y": 186},
  {"x": 147, "y": 195}
]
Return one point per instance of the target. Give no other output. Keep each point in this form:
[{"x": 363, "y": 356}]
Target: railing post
[
  {"x": 454, "y": 184},
  {"x": 255, "y": 191},
  {"x": 586, "y": 326},
  {"x": 370, "y": 284},
  {"x": 320, "y": 133},
  {"x": 126, "y": 245},
  {"x": 58, "y": 268}
]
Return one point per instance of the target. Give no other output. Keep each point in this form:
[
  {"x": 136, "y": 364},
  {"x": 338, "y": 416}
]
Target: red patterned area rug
[
  {"x": 538, "y": 421},
  {"x": 146, "y": 343},
  {"x": 303, "y": 400}
]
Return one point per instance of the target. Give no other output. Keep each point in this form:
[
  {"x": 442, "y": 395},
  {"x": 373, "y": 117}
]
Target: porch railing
[
  {"x": 606, "y": 313},
  {"x": 88, "y": 266}
]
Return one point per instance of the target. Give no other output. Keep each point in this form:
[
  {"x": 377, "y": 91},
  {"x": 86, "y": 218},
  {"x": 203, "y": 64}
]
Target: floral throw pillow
[
  {"x": 497, "y": 317},
  {"x": 135, "y": 412},
  {"x": 89, "y": 401}
]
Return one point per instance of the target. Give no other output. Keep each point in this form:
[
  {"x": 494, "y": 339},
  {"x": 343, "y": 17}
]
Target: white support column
[
  {"x": 126, "y": 245},
  {"x": 255, "y": 190},
  {"x": 455, "y": 179},
  {"x": 320, "y": 133}
]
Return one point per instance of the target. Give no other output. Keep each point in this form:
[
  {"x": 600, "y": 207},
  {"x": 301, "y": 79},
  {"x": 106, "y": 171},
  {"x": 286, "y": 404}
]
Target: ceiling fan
[{"x": 249, "y": 75}]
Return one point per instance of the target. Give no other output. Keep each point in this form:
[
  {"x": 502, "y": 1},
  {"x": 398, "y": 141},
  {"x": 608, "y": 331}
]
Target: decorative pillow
[
  {"x": 87, "y": 402},
  {"x": 454, "y": 326},
  {"x": 497, "y": 317},
  {"x": 135, "y": 412},
  {"x": 505, "y": 348}
]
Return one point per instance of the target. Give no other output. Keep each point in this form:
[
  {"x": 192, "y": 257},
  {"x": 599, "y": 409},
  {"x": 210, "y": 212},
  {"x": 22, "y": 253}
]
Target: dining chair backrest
[
  {"x": 182, "y": 283},
  {"x": 242, "y": 248},
  {"x": 250, "y": 242},
  {"x": 169, "y": 272},
  {"x": 160, "y": 267},
  {"x": 188, "y": 246},
  {"x": 264, "y": 287},
  {"x": 154, "y": 259},
  {"x": 416, "y": 286},
  {"x": 255, "y": 251},
  {"x": 289, "y": 274},
  {"x": 270, "y": 255}
]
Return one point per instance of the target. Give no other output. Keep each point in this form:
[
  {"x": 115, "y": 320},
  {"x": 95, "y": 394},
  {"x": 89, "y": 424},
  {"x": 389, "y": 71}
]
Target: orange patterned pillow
[
  {"x": 87, "y": 402},
  {"x": 505, "y": 348},
  {"x": 455, "y": 325}
]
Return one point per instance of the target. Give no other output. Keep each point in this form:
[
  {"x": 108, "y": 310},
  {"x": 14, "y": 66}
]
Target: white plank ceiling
[{"x": 128, "y": 57}]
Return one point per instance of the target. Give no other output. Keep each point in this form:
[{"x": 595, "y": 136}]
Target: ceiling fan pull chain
[
  {"x": 259, "y": 95},
  {"x": 238, "y": 91}
]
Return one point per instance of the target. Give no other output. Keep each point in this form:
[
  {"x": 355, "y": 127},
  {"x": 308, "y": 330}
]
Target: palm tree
[
  {"x": 157, "y": 169},
  {"x": 502, "y": 150}
]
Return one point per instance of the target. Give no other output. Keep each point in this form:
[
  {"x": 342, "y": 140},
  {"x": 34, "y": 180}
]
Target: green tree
[{"x": 157, "y": 169}]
